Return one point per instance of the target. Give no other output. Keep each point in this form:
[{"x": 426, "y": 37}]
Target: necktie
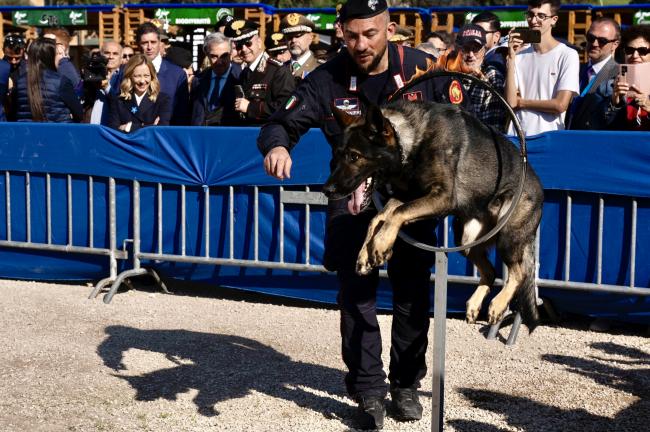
[
  {"x": 214, "y": 97},
  {"x": 590, "y": 73},
  {"x": 295, "y": 65}
]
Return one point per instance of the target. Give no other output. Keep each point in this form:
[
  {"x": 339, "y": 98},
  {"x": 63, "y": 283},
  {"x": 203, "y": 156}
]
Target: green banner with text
[
  {"x": 193, "y": 16},
  {"x": 641, "y": 17},
  {"x": 508, "y": 19},
  {"x": 49, "y": 18}
]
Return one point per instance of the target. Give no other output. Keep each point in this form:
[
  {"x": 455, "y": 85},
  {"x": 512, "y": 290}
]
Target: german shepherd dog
[{"x": 439, "y": 160}]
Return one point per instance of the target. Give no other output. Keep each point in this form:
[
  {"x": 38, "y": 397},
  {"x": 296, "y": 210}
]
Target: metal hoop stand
[{"x": 442, "y": 263}]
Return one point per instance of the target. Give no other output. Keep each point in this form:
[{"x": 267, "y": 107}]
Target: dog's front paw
[
  {"x": 471, "y": 315},
  {"x": 363, "y": 265}
]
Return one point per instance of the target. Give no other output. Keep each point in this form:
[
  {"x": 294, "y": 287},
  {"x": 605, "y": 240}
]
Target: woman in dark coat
[
  {"x": 140, "y": 102},
  {"x": 41, "y": 93}
]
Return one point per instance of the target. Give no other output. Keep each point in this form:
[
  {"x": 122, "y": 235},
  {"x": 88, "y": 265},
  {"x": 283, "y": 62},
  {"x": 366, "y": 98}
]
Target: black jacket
[
  {"x": 267, "y": 88},
  {"x": 338, "y": 83},
  {"x": 224, "y": 112},
  {"x": 122, "y": 111}
]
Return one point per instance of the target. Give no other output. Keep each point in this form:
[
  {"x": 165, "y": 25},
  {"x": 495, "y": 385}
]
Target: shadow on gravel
[
  {"x": 532, "y": 416},
  {"x": 221, "y": 367}
]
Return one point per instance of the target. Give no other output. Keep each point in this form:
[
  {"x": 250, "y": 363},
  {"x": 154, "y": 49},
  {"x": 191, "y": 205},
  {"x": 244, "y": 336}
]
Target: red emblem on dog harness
[{"x": 455, "y": 92}]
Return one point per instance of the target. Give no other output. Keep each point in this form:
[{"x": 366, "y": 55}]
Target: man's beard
[
  {"x": 374, "y": 63},
  {"x": 296, "y": 51}
]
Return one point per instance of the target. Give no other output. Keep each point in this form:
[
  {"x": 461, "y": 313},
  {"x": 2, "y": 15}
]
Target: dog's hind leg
[
  {"x": 486, "y": 271},
  {"x": 520, "y": 273},
  {"x": 469, "y": 231},
  {"x": 363, "y": 264}
]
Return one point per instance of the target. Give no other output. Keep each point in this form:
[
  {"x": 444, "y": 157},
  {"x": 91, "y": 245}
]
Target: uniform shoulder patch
[
  {"x": 274, "y": 62},
  {"x": 455, "y": 92},
  {"x": 291, "y": 103}
]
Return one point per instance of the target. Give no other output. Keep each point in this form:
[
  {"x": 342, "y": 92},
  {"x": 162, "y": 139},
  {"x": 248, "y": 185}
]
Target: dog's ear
[
  {"x": 378, "y": 124},
  {"x": 343, "y": 118}
]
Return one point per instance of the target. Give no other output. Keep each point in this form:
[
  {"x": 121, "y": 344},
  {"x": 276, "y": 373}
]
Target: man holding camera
[{"x": 542, "y": 77}]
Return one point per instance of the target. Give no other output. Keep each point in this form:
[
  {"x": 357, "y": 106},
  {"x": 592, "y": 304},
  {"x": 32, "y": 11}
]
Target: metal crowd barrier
[
  {"x": 309, "y": 199},
  {"x": 20, "y": 236}
]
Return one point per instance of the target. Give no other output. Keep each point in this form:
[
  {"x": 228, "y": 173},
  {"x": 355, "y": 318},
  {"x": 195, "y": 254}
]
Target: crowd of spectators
[{"x": 244, "y": 79}]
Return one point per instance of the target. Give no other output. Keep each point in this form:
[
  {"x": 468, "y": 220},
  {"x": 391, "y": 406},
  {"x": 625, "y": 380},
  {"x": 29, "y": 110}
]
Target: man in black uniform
[
  {"x": 369, "y": 68},
  {"x": 266, "y": 82}
]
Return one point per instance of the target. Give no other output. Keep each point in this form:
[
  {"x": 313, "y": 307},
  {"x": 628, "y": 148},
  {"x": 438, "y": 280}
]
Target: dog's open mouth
[{"x": 361, "y": 197}]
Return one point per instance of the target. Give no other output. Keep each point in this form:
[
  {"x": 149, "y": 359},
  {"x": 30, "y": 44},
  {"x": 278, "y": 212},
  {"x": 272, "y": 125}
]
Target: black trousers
[{"x": 409, "y": 272}]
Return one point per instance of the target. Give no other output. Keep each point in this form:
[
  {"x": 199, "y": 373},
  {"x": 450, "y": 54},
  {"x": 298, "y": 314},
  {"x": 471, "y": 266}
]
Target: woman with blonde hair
[{"x": 140, "y": 102}]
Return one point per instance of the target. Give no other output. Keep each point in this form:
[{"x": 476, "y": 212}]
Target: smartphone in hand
[{"x": 528, "y": 35}]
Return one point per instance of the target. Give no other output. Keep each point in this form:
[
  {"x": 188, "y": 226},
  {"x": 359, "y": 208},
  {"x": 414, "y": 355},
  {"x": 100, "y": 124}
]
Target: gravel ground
[{"x": 207, "y": 361}]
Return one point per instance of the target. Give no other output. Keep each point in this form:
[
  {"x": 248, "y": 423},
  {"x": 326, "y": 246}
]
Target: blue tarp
[{"x": 611, "y": 164}]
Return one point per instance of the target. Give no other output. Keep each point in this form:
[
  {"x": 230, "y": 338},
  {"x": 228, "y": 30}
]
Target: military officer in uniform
[
  {"x": 266, "y": 82},
  {"x": 369, "y": 68},
  {"x": 299, "y": 33},
  {"x": 277, "y": 47}
]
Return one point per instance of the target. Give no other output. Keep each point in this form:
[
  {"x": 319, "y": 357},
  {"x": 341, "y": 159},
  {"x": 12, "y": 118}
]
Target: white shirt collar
[
  {"x": 256, "y": 62},
  {"x": 157, "y": 62},
  {"x": 138, "y": 99},
  {"x": 598, "y": 66}
]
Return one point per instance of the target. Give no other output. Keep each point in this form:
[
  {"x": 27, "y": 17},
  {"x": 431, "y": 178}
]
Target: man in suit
[
  {"x": 173, "y": 80},
  {"x": 213, "y": 91},
  {"x": 266, "y": 83},
  {"x": 602, "y": 40},
  {"x": 299, "y": 33}
]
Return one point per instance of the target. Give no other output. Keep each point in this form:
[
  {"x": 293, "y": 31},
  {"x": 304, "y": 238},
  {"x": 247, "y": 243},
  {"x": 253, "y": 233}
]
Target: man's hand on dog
[{"x": 277, "y": 163}]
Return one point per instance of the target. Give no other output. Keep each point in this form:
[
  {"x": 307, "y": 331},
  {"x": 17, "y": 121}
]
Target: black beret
[
  {"x": 241, "y": 29},
  {"x": 359, "y": 9},
  {"x": 179, "y": 56}
]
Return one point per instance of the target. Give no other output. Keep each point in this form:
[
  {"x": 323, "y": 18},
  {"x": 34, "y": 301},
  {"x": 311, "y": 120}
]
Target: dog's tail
[{"x": 526, "y": 300}]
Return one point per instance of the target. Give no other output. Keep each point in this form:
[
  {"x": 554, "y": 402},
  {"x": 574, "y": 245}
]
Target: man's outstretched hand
[{"x": 277, "y": 163}]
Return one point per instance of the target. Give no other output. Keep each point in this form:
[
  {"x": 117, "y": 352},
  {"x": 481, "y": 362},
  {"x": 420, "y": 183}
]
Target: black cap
[
  {"x": 471, "y": 33},
  {"x": 275, "y": 42},
  {"x": 241, "y": 29},
  {"x": 360, "y": 9},
  {"x": 225, "y": 20},
  {"x": 179, "y": 56}
]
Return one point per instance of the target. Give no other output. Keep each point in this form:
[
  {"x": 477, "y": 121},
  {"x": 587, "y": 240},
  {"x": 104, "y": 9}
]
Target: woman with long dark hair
[
  {"x": 140, "y": 102},
  {"x": 42, "y": 94}
]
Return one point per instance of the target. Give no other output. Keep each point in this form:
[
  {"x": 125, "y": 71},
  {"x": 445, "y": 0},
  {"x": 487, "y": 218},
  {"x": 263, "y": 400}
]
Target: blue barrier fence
[{"x": 594, "y": 231}]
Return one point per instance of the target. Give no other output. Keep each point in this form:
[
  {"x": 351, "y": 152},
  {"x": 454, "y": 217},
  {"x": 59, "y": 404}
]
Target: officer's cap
[
  {"x": 296, "y": 23},
  {"x": 360, "y": 9},
  {"x": 241, "y": 29},
  {"x": 225, "y": 20},
  {"x": 275, "y": 42}
]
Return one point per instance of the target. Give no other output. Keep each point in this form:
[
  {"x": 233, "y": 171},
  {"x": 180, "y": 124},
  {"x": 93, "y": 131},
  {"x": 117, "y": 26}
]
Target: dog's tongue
[{"x": 356, "y": 199}]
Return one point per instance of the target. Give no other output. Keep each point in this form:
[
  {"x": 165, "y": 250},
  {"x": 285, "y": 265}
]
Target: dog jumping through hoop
[{"x": 438, "y": 160}]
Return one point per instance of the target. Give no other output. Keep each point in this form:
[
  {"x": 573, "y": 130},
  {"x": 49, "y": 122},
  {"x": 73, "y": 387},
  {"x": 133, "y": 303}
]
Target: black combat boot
[
  {"x": 405, "y": 404},
  {"x": 370, "y": 412}
]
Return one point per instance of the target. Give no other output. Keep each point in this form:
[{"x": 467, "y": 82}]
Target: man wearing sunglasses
[
  {"x": 127, "y": 53},
  {"x": 266, "y": 82},
  {"x": 603, "y": 38},
  {"x": 541, "y": 78},
  {"x": 213, "y": 90}
]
